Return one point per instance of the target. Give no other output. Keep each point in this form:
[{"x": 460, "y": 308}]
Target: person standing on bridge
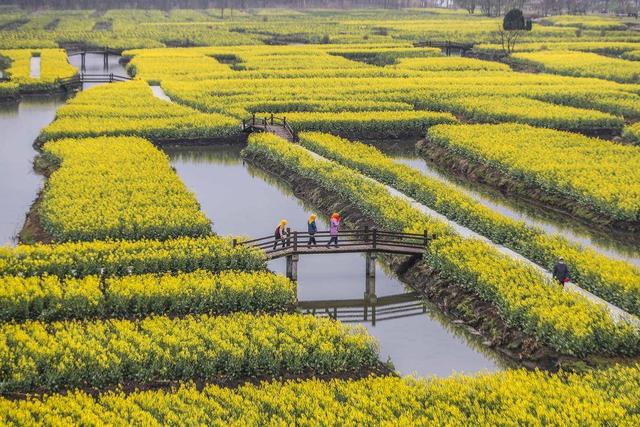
[
  {"x": 312, "y": 228},
  {"x": 281, "y": 233},
  {"x": 561, "y": 272},
  {"x": 334, "y": 226}
]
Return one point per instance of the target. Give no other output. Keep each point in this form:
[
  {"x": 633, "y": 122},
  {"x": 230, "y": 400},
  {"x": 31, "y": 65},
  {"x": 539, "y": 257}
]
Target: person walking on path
[
  {"x": 312, "y": 228},
  {"x": 281, "y": 233},
  {"x": 334, "y": 226},
  {"x": 561, "y": 271}
]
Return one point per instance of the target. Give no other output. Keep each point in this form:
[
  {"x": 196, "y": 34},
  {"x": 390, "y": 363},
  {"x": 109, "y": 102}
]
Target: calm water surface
[{"x": 243, "y": 200}]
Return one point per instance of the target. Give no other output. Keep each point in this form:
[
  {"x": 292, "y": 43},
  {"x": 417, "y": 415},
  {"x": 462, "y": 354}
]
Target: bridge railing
[
  {"x": 363, "y": 239},
  {"x": 93, "y": 78}
]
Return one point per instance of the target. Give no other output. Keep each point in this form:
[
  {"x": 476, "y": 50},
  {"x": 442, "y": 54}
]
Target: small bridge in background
[
  {"x": 276, "y": 125},
  {"x": 367, "y": 241},
  {"x": 447, "y": 47}
]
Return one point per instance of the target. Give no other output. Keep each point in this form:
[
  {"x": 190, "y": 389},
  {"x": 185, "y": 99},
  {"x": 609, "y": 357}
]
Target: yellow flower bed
[
  {"x": 188, "y": 64},
  {"x": 53, "y": 67},
  {"x": 51, "y": 298},
  {"x": 616, "y": 281},
  {"x": 368, "y": 124},
  {"x": 592, "y": 173},
  {"x": 120, "y": 257},
  {"x": 565, "y": 321},
  {"x": 130, "y": 109},
  {"x": 498, "y": 109},
  {"x": 109, "y": 188},
  {"x": 62, "y": 355},
  {"x": 515, "y": 397},
  {"x": 583, "y": 64}
]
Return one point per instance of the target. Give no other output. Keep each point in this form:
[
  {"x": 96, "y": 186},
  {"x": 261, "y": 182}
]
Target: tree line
[{"x": 484, "y": 7}]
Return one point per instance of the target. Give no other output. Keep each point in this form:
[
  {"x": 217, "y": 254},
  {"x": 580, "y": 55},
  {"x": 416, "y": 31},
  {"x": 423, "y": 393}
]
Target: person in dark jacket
[
  {"x": 312, "y": 228},
  {"x": 280, "y": 233},
  {"x": 561, "y": 272}
]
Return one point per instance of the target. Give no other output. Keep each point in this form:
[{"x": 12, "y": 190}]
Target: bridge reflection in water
[{"x": 367, "y": 309}]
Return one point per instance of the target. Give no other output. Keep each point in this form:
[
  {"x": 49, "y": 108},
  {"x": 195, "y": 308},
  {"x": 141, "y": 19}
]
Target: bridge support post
[
  {"x": 370, "y": 298},
  {"x": 292, "y": 267},
  {"x": 83, "y": 66}
]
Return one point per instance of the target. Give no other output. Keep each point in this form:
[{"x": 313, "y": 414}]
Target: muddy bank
[
  {"x": 463, "y": 307},
  {"x": 32, "y": 230},
  {"x": 531, "y": 194},
  {"x": 240, "y": 139}
]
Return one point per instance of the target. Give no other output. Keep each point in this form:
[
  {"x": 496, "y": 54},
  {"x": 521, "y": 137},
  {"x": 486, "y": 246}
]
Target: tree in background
[
  {"x": 468, "y": 5},
  {"x": 513, "y": 26}
]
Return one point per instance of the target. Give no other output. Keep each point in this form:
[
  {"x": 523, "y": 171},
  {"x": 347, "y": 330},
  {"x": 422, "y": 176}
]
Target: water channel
[{"x": 424, "y": 344}]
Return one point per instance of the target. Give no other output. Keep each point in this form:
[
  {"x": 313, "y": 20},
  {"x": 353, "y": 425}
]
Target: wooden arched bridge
[
  {"x": 271, "y": 123},
  {"x": 368, "y": 241}
]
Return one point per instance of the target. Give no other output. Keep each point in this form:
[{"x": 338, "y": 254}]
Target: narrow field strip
[
  {"x": 378, "y": 124},
  {"x": 563, "y": 320},
  {"x": 591, "y": 178},
  {"x": 616, "y": 281},
  {"x": 131, "y": 109},
  {"x": 37, "y": 356},
  {"x": 122, "y": 257},
  {"x": 50, "y": 298},
  {"x": 115, "y": 188},
  {"x": 515, "y": 397},
  {"x": 583, "y": 64}
]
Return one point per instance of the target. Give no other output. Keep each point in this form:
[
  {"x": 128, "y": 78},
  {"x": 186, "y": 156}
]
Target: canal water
[
  {"x": 242, "y": 200},
  {"x": 404, "y": 152}
]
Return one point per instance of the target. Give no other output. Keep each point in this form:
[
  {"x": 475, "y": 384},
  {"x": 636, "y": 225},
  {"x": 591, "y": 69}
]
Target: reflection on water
[
  {"x": 243, "y": 200},
  {"x": 404, "y": 152},
  {"x": 19, "y": 184}
]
